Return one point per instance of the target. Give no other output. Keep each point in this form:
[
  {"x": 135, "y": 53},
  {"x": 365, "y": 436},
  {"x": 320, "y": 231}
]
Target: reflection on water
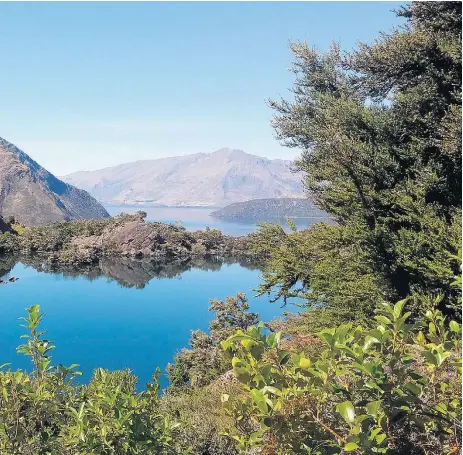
[
  {"x": 126, "y": 271},
  {"x": 120, "y": 313}
]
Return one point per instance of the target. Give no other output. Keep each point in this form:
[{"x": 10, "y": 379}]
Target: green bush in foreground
[
  {"x": 45, "y": 413},
  {"x": 393, "y": 389}
]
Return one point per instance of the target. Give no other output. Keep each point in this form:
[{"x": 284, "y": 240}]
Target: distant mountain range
[
  {"x": 34, "y": 196},
  {"x": 203, "y": 179},
  {"x": 271, "y": 209}
]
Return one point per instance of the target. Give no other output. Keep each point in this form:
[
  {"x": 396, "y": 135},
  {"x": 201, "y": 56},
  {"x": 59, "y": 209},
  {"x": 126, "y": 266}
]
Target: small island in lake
[
  {"x": 259, "y": 210},
  {"x": 87, "y": 241}
]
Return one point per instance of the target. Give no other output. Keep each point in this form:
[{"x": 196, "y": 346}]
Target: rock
[{"x": 4, "y": 227}]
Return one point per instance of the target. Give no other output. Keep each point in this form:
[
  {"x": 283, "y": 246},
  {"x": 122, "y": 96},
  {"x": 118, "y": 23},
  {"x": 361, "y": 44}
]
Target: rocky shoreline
[{"x": 87, "y": 241}]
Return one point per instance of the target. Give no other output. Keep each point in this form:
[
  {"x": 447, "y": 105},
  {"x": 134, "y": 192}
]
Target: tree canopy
[{"x": 380, "y": 132}]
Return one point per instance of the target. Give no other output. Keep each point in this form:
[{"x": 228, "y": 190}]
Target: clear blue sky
[{"x": 90, "y": 85}]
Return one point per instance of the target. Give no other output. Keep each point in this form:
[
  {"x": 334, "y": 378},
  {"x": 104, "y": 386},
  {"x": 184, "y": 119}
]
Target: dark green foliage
[
  {"x": 59, "y": 235},
  {"x": 380, "y": 130},
  {"x": 8, "y": 242},
  {"x": 326, "y": 267}
]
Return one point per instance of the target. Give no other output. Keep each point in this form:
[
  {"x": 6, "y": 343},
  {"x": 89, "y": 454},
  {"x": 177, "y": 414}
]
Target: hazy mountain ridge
[
  {"x": 201, "y": 179},
  {"x": 35, "y": 196},
  {"x": 269, "y": 209}
]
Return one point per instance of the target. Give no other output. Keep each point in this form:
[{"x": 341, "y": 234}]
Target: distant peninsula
[{"x": 258, "y": 210}]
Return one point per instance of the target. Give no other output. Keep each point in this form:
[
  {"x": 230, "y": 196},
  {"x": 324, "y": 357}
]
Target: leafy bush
[
  {"x": 203, "y": 421},
  {"x": 43, "y": 412},
  {"x": 392, "y": 389},
  {"x": 58, "y": 235}
]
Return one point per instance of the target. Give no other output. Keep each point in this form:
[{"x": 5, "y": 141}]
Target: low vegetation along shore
[{"x": 372, "y": 363}]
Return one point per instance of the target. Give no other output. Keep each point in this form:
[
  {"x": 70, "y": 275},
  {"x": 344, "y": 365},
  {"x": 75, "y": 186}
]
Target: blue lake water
[
  {"x": 133, "y": 315},
  {"x": 196, "y": 218}
]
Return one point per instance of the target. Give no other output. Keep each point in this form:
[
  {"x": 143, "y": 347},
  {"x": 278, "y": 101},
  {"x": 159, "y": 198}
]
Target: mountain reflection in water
[{"x": 127, "y": 272}]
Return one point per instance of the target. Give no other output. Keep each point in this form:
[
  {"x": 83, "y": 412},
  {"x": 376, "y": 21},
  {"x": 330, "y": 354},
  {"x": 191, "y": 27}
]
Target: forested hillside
[{"x": 271, "y": 209}]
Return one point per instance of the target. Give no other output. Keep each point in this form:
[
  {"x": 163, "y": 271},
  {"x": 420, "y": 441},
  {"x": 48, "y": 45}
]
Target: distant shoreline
[{"x": 160, "y": 206}]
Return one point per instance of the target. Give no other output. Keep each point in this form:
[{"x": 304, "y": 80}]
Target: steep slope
[
  {"x": 34, "y": 196},
  {"x": 269, "y": 209},
  {"x": 202, "y": 179}
]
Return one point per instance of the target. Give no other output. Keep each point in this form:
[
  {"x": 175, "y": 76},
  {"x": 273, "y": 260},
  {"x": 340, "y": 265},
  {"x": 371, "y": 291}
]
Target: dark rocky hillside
[
  {"x": 271, "y": 209},
  {"x": 34, "y": 196}
]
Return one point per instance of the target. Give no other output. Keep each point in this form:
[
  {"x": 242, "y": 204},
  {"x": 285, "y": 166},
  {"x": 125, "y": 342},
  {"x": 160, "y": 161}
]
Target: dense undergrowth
[{"x": 372, "y": 364}]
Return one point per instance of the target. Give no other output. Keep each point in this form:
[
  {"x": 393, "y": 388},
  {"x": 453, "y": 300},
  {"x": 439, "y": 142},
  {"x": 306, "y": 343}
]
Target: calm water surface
[
  {"x": 131, "y": 314},
  {"x": 196, "y": 218}
]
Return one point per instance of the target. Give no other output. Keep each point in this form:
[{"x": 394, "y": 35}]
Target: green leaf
[
  {"x": 383, "y": 319},
  {"x": 268, "y": 422},
  {"x": 271, "y": 389},
  {"x": 373, "y": 407},
  {"x": 271, "y": 340},
  {"x": 240, "y": 371},
  {"x": 347, "y": 411},
  {"x": 430, "y": 357},
  {"x": 256, "y": 350},
  {"x": 454, "y": 326},
  {"x": 260, "y": 400},
  {"x": 380, "y": 438},
  {"x": 369, "y": 340},
  {"x": 283, "y": 357},
  {"x": 414, "y": 388},
  {"x": 350, "y": 446},
  {"x": 304, "y": 363},
  {"x": 398, "y": 307}
]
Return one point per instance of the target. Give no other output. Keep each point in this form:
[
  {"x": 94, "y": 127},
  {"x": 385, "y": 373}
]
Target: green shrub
[
  {"x": 43, "y": 412},
  {"x": 393, "y": 389},
  {"x": 202, "y": 419}
]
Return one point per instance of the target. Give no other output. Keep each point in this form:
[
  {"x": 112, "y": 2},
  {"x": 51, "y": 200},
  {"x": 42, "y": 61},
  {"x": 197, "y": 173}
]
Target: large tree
[{"x": 380, "y": 134}]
